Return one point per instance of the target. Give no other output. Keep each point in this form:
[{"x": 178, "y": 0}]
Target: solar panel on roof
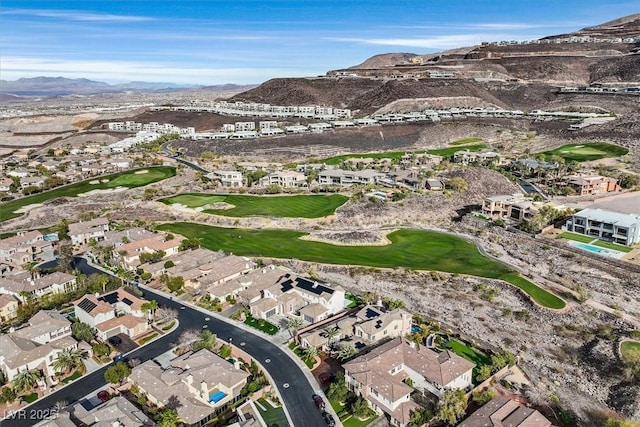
[
  {"x": 87, "y": 305},
  {"x": 111, "y": 298},
  {"x": 127, "y": 301},
  {"x": 313, "y": 287}
]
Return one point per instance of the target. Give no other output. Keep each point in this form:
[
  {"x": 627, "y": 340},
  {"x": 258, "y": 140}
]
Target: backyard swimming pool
[{"x": 598, "y": 250}]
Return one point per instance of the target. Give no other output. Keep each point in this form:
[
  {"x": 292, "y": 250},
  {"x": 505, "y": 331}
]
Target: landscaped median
[
  {"x": 296, "y": 206},
  {"x": 129, "y": 179},
  {"x": 413, "y": 249}
]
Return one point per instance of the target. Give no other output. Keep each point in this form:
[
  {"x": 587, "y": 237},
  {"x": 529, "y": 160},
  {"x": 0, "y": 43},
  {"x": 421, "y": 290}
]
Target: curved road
[{"x": 287, "y": 376}]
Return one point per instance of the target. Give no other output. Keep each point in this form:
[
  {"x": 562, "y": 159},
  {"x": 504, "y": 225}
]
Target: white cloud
[
  {"x": 437, "y": 42},
  {"x": 76, "y": 15},
  {"x": 14, "y": 67}
]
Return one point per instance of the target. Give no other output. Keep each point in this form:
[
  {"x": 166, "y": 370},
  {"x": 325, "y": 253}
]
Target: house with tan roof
[
  {"x": 200, "y": 385},
  {"x": 26, "y": 247},
  {"x": 117, "y": 238},
  {"x": 57, "y": 282},
  {"x": 113, "y": 313},
  {"x": 37, "y": 345},
  {"x": 380, "y": 376},
  {"x": 130, "y": 253},
  {"x": 503, "y": 412},
  {"x": 118, "y": 412},
  {"x": 81, "y": 232},
  {"x": 8, "y": 307}
]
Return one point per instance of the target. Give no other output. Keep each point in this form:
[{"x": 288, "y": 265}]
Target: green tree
[
  {"x": 483, "y": 373},
  {"x": 187, "y": 244},
  {"x": 360, "y": 408},
  {"x": 225, "y": 351},
  {"x": 7, "y": 395},
  {"x": 62, "y": 228},
  {"x": 116, "y": 373},
  {"x": 68, "y": 360},
  {"x": 293, "y": 323},
  {"x": 207, "y": 339},
  {"x": 452, "y": 406},
  {"x": 82, "y": 332},
  {"x": 420, "y": 418},
  {"x": 26, "y": 379},
  {"x": 175, "y": 284},
  {"x": 482, "y": 397},
  {"x": 392, "y": 304},
  {"x": 346, "y": 351},
  {"x": 331, "y": 333},
  {"x": 167, "y": 418},
  {"x": 338, "y": 390},
  {"x": 457, "y": 184},
  {"x": 309, "y": 353},
  {"x": 150, "y": 307},
  {"x": 101, "y": 349}
]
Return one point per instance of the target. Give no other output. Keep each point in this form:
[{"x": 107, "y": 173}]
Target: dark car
[
  {"x": 115, "y": 340},
  {"x": 326, "y": 377},
  {"x": 103, "y": 395},
  {"x": 328, "y": 418},
  {"x": 319, "y": 402}
]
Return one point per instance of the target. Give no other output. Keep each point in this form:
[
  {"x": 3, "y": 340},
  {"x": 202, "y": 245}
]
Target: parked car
[
  {"x": 328, "y": 418},
  {"x": 319, "y": 402},
  {"x": 103, "y": 395},
  {"x": 115, "y": 340},
  {"x": 326, "y": 377}
]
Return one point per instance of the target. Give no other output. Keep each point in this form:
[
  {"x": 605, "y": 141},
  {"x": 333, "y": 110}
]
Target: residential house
[
  {"x": 501, "y": 411},
  {"x": 117, "y": 412},
  {"x": 473, "y": 157},
  {"x": 19, "y": 285},
  {"x": 434, "y": 184},
  {"x": 8, "y": 307},
  {"x": 5, "y": 184},
  {"x": 380, "y": 376},
  {"x": 228, "y": 178},
  {"x": 348, "y": 178},
  {"x": 199, "y": 385},
  {"x": 616, "y": 227},
  {"x": 113, "y": 313},
  {"x": 117, "y": 238},
  {"x": 81, "y": 232},
  {"x": 130, "y": 252},
  {"x": 592, "y": 185},
  {"x": 285, "y": 179},
  {"x": 293, "y": 295},
  {"x": 249, "y": 287},
  {"x": 37, "y": 345},
  {"x": 26, "y": 247}
]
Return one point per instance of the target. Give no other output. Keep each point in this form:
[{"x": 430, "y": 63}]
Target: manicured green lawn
[
  {"x": 467, "y": 352},
  {"x": 72, "y": 377},
  {"x": 29, "y": 398},
  {"x": 124, "y": 179},
  {"x": 300, "y": 353},
  {"x": 148, "y": 338},
  {"x": 414, "y": 249},
  {"x": 587, "y": 151},
  {"x": 337, "y": 160},
  {"x": 448, "y": 152},
  {"x": 613, "y": 246},
  {"x": 271, "y": 415},
  {"x": 601, "y": 243},
  {"x": 469, "y": 140},
  {"x": 263, "y": 326},
  {"x": 575, "y": 236},
  {"x": 298, "y": 206},
  {"x": 169, "y": 326},
  {"x": 630, "y": 349}
]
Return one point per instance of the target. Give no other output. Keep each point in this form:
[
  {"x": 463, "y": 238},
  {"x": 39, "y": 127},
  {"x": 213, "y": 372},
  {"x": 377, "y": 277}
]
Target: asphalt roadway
[{"x": 294, "y": 388}]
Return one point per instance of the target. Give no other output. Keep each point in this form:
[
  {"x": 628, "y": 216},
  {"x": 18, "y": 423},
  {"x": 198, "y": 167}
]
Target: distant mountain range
[{"x": 61, "y": 86}]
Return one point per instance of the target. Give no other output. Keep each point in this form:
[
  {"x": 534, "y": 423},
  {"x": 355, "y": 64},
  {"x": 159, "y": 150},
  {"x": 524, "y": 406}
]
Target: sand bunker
[
  {"x": 351, "y": 238},
  {"x": 141, "y": 172},
  {"x": 94, "y": 182},
  {"x": 104, "y": 180},
  {"x": 27, "y": 208}
]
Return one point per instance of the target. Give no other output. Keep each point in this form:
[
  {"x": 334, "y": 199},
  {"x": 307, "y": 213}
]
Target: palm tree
[
  {"x": 150, "y": 307},
  {"x": 347, "y": 350},
  {"x": 293, "y": 323},
  {"x": 26, "y": 379},
  {"x": 331, "y": 333},
  {"x": 168, "y": 418},
  {"x": 68, "y": 359},
  {"x": 310, "y": 352}
]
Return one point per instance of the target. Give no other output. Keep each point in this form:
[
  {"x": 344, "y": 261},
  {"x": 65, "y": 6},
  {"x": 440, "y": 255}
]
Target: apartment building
[{"x": 616, "y": 227}]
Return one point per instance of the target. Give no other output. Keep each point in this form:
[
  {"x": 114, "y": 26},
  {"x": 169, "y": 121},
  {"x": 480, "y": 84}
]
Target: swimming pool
[{"x": 598, "y": 250}]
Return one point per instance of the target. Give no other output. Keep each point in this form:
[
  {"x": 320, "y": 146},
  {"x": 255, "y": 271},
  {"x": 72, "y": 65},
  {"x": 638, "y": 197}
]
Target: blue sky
[{"x": 247, "y": 41}]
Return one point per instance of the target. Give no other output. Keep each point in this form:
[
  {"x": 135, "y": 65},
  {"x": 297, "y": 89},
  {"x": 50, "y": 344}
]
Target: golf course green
[
  {"x": 298, "y": 206},
  {"x": 128, "y": 179},
  {"x": 587, "y": 151},
  {"x": 413, "y": 249}
]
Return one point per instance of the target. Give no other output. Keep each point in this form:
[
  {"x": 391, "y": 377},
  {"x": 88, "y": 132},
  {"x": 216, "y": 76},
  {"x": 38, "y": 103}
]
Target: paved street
[{"x": 291, "y": 381}]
